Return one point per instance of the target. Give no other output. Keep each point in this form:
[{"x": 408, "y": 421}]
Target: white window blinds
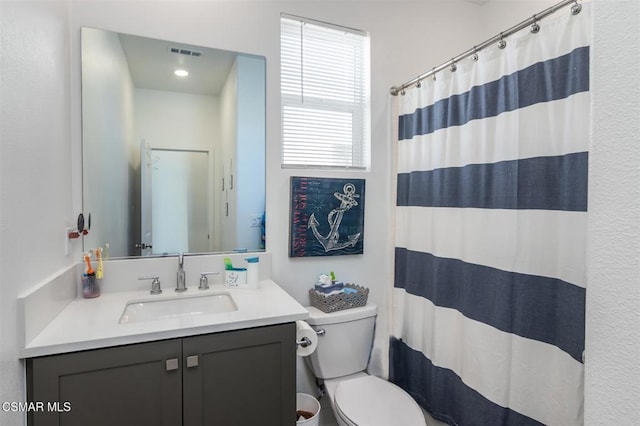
[{"x": 325, "y": 94}]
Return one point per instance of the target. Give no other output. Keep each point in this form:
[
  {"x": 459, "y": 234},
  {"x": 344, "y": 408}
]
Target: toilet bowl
[
  {"x": 357, "y": 399},
  {"x": 362, "y": 399}
]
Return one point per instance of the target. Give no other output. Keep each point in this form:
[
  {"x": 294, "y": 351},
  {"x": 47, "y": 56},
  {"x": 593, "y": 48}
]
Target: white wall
[
  {"x": 407, "y": 38},
  {"x": 612, "y": 391},
  {"x": 37, "y": 166},
  {"x": 172, "y": 120},
  {"x": 500, "y": 15}
]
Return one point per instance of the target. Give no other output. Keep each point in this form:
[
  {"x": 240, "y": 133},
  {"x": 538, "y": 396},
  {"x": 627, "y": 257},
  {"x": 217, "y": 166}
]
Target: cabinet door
[
  {"x": 125, "y": 385},
  {"x": 244, "y": 377}
]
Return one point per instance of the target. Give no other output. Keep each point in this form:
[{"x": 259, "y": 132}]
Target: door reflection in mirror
[{"x": 179, "y": 201}]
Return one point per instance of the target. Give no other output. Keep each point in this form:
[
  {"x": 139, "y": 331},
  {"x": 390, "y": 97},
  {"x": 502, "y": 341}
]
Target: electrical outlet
[{"x": 255, "y": 220}]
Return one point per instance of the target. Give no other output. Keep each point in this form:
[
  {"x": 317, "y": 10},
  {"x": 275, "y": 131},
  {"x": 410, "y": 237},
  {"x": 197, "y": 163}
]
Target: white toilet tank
[{"x": 345, "y": 345}]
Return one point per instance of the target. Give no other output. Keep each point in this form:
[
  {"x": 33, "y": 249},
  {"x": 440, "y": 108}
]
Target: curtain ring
[
  {"x": 453, "y": 66},
  {"x": 475, "y": 54},
  {"x": 434, "y": 74},
  {"x": 403, "y": 92},
  {"x": 419, "y": 84},
  {"x": 576, "y": 8},
  {"x": 502, "y": 43},
  {"x": 535, "y": 28}
]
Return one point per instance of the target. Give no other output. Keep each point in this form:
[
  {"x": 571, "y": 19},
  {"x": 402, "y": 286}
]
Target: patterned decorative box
[{"x": 340, "y": 301}]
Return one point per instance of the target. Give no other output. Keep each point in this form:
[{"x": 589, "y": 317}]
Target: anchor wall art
[{"x": 327, "y": 216}]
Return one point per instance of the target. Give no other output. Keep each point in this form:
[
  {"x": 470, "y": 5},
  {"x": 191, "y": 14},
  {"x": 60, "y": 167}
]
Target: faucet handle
[
  {"x": 155, "y": 284},
  {"x": 204, "y": 282}
]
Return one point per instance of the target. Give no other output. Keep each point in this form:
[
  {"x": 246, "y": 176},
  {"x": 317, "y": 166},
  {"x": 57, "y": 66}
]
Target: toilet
[{"x": 345, "y": 339}]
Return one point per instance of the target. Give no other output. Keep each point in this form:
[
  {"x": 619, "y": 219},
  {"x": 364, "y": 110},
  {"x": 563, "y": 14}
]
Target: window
[{"x": 325, "y": 94}]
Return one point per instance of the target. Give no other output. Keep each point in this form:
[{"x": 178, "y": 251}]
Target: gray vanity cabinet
[
  {"x": 231, "y": 378},
  {"x": 241, "y": 378}
]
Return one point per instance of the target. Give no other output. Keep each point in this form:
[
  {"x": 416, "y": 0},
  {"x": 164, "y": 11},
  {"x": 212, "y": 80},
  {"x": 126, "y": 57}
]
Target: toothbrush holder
[{"x": 235, "y": 277}]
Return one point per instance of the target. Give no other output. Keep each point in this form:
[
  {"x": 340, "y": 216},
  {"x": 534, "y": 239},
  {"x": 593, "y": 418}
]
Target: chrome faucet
[{"x": 180, "y": 281}]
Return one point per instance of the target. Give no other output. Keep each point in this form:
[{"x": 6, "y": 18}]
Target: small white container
[
  {"x": 235, "y": 277},
  {"x": 308, "y": 403}
]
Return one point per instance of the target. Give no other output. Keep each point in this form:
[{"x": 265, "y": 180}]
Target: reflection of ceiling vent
[{"x": 183, "y": 51}]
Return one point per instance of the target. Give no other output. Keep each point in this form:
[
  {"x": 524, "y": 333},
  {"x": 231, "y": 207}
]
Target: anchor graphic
[{"x": 331, "y": 241}]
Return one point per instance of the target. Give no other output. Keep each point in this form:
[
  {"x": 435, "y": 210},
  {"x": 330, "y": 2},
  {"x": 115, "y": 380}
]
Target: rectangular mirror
[{"x": 171, "y": 162}]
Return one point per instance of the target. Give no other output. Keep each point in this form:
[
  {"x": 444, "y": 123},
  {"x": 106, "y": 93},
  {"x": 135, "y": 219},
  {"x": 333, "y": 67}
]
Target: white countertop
[{"x": 93, "y": 323}]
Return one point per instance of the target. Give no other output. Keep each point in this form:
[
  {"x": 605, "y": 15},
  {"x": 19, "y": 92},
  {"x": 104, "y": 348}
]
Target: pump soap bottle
[{"x": 253, "y": 271}]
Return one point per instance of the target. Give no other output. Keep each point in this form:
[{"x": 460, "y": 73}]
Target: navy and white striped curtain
[{"x": 491, "y": 220}]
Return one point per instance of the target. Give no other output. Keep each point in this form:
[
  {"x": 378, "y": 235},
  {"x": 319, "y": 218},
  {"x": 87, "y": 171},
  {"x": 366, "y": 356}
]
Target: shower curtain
[{"x": 490, "y": 245}]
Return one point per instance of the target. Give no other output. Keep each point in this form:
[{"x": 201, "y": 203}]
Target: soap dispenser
[{"x": 253, "y": 271}]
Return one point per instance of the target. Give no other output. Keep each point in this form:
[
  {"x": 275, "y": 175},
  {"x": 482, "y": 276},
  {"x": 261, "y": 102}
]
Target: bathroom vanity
[
  {"x": 120, "y": 359},
  {"x": 228, "y": 378}
]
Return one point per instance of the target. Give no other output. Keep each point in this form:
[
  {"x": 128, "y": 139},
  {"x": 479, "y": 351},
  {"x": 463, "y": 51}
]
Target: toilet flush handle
[{"x": 321, "y": 332}]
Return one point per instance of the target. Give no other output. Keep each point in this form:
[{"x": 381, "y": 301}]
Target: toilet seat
[{"x": 369, "y": 400}]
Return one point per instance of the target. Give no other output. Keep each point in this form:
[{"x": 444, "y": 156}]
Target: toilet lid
[{"x": 372, "y": 401}]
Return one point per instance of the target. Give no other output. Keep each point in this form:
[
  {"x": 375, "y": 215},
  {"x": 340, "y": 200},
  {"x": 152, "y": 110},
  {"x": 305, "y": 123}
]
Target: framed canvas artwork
[{"x": 327, "y": 216}]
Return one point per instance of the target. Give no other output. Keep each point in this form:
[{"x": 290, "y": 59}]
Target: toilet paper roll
[{"x": 304, "y": 330}]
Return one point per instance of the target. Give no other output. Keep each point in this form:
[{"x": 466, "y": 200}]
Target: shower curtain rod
[{"x": 499, "y": 38}]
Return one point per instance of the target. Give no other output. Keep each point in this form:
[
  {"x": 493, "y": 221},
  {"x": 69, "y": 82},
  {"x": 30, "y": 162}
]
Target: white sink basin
[{"x": 176, "y": 307}]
